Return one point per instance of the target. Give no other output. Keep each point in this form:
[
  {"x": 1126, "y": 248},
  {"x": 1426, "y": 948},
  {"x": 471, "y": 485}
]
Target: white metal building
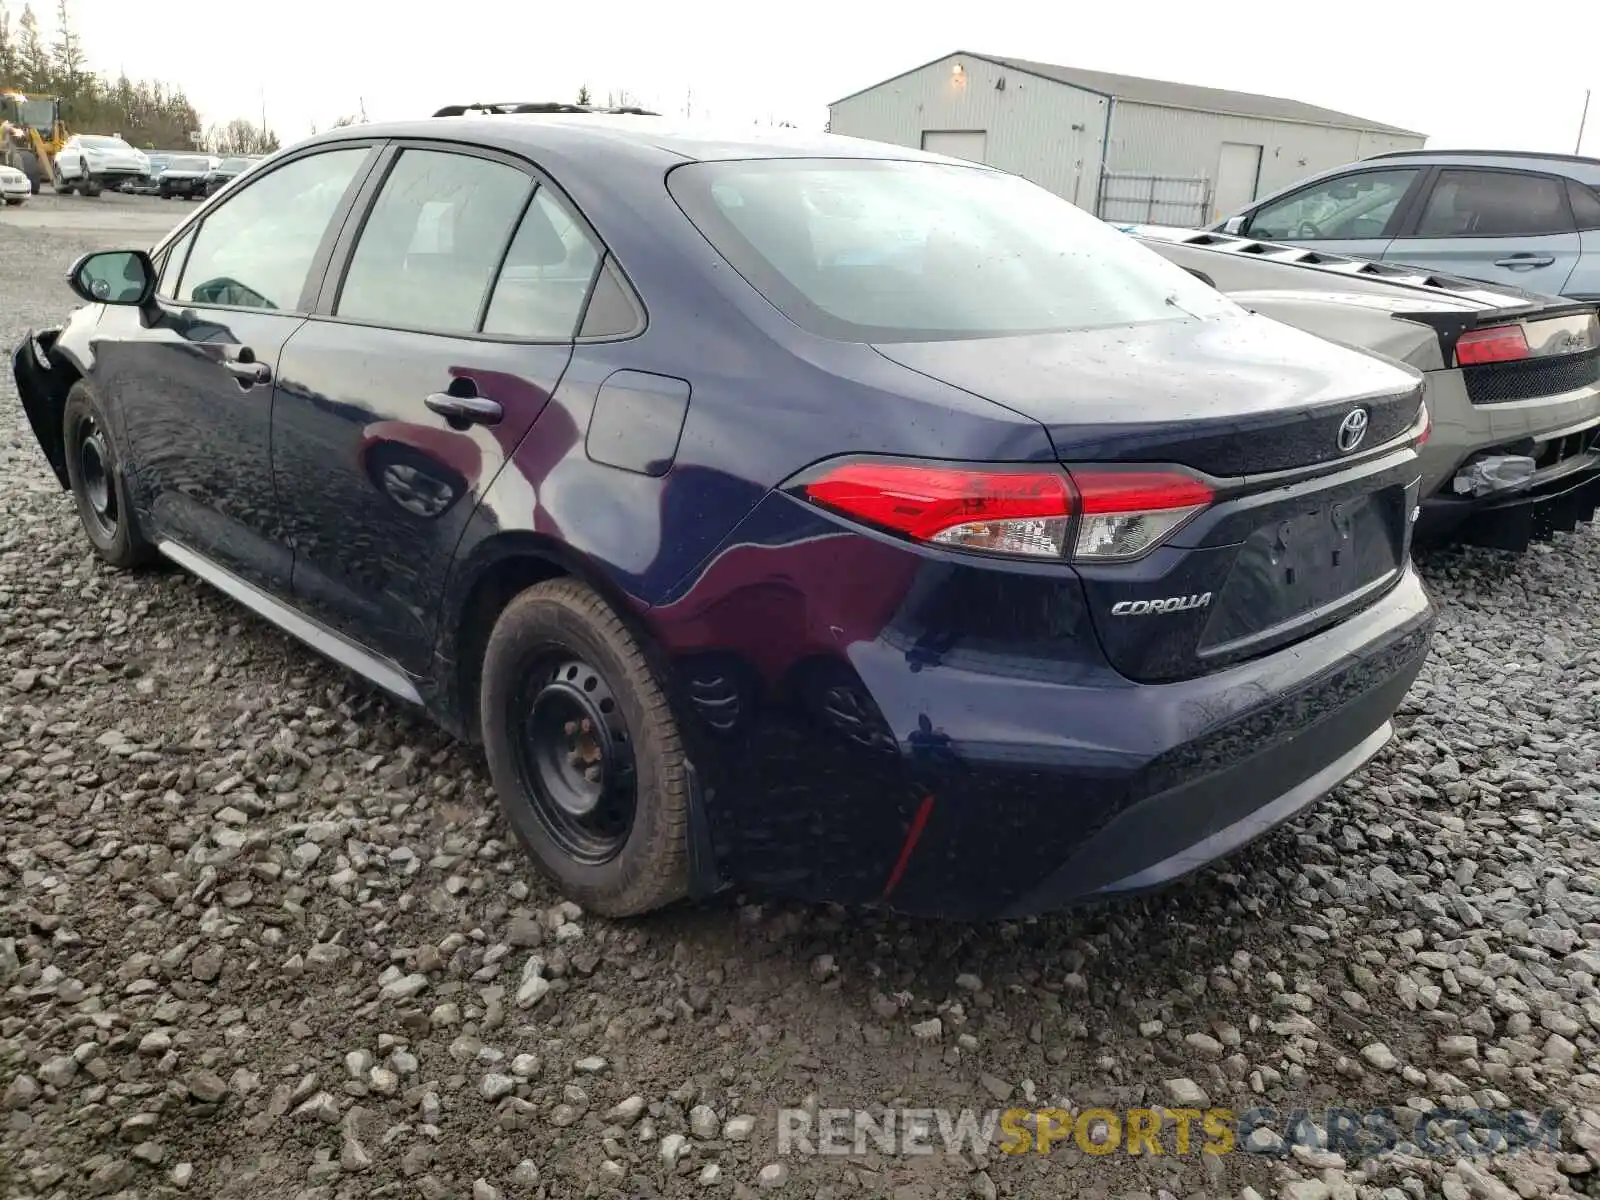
[{"x": 1127, "y": 149}]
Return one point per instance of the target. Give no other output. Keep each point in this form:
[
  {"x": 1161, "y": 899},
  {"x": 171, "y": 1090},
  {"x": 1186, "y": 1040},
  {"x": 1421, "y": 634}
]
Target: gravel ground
[{"x": 262, "y": 935}]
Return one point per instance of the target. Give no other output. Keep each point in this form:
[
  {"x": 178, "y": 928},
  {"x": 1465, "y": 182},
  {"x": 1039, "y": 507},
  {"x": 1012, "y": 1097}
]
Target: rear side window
[
  {"x": 1345, "y": 207},
  {"x": 256, "y": 249},
  {"x": 884, "y": 251},
  {"x": 1494, "y": 204},
  {"x": 547, "y": 274},
  {"x": 430, "y": 247},
  {"x": 1585, "y": 204}
]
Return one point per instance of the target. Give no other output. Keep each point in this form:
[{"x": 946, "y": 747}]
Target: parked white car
[
  {"x": 90, "y": 162},
  {"x": 14, "y": 185}
]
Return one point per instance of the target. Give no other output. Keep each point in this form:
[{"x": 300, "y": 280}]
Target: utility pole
[{"x": 1582, "y": 121}]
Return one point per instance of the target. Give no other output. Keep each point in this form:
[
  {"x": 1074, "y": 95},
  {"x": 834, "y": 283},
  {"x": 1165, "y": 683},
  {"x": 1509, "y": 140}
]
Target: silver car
[
  {"x": 1513, "y": 378},
  {"x": 1528, "y": 220}
]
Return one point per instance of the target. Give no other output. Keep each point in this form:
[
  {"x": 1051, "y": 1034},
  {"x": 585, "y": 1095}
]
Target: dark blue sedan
[{"x": 822, "y": 517}]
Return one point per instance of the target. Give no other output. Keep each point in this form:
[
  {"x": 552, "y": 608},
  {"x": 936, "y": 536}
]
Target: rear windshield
[
  {"x": 104, "y": 143},
  {"x": 884, "y": 251}
]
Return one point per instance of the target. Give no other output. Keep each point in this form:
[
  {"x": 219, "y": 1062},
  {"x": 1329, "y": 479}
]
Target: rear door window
[
  {"x": 433, "y": 241},
  {"x": 546, "y": 277},
  {"x": 1468, "y": 203},
  {"x": 1346, "y": 207},
  {"x": 1585, "y": 204}
]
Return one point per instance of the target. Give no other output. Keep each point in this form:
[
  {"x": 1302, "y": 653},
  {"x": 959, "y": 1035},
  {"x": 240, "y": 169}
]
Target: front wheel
[
  {"x": 95, "y": 474},
  {"x": 584, "y": 751}
]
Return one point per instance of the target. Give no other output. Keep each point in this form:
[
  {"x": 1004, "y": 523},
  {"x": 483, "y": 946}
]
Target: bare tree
[
  {"x": 240, "y": 136},
  {"x": 583, "y": 95},
  {"x": 67, "y": 52}
]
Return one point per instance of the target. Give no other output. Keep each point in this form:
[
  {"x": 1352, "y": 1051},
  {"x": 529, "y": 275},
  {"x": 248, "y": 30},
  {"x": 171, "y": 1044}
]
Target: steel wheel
[
  {"x": 95, "y": 470},
  {"x": 575, "y": 758}
]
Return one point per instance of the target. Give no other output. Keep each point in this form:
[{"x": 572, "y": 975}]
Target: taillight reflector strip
[{"x": 1500, "y": 343}]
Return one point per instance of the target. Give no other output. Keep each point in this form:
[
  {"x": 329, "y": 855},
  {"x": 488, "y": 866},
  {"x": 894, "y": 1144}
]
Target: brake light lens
[
  {"x": 1501, "y": 343},
  {"x": 1127, "y": 513},
  {"x": 1427, "y": 426},
  {"x": 1090, "y": 514},
  {"x": 1000, "y": 512}
]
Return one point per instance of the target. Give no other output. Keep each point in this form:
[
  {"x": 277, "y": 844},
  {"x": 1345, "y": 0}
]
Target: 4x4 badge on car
[{"x": 1352, "y": 429}]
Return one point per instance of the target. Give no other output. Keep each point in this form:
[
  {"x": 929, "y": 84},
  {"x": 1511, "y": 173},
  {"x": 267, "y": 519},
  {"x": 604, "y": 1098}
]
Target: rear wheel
[
  {"x": 584, "y": 751},
  {"x": 95, "y": 474},
  {"x": 58, "y": 181}
]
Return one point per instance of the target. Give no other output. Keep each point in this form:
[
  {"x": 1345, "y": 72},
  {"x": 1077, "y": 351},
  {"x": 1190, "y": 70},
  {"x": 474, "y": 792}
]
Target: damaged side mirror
[{"x": 114, "y": 277}]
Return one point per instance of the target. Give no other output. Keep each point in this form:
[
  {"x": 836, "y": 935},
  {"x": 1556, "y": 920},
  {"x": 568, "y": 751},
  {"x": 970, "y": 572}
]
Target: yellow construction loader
[{"x": 31, "y": 133}]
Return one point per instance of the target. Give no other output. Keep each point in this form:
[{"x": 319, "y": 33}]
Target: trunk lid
[
  {"x": 1305, "y": 528},
  {"x": 1237, "y": 396}
]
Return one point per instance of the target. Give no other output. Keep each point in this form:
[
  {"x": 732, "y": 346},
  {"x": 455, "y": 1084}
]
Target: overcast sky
[{"x": 1495, "y": 79}]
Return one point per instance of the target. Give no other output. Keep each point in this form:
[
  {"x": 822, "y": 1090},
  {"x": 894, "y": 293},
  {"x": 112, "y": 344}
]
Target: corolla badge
[
  {"x": 1144, "y": 608},
  {"x": 1352, "y": 429}
]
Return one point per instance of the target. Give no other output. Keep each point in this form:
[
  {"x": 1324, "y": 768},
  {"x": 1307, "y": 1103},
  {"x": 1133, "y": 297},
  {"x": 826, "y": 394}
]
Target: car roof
[
  {"x": 664, "y": 139},
  {"x": 1578, "y": 166}
]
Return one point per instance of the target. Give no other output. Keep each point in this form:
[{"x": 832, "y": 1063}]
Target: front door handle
[
  {"x": 1526, "y": 260},
  {"x": 465, "y": 410},
  {"x": 248, "y": 370}
]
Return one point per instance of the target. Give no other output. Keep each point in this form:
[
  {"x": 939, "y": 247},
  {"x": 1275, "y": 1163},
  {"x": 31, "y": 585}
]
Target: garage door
[{"x": 969, "y": 144}]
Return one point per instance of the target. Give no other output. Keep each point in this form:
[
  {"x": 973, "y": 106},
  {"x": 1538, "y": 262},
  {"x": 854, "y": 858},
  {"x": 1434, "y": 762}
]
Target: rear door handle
[
  {"x": 247, "y": 370},
  {"x": 1526, "y": 260},
  {"x": 468, "y": 410}
]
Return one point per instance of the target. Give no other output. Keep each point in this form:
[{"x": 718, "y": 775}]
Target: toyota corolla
[{"x": 822, "y": 517}]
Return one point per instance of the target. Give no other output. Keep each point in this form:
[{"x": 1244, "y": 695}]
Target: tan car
[{"x": 1513, "y": 377}]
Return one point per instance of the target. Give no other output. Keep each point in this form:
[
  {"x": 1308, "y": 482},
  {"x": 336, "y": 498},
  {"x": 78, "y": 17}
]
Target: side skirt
[{"x": 379, "y": 671}]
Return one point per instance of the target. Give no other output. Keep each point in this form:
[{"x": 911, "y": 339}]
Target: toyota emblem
[{"x": 1352, "y": 429}]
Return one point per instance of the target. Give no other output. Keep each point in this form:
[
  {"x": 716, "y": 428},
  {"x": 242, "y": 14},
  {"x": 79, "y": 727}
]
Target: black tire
[
  {"x": 60, "y": 185},
  {"x": 28, "y": 164},
  {"x": 101, "y": 493},
  {"x": 556, "y": 648}
]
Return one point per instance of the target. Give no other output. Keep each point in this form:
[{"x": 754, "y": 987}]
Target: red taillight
[
  {"x": 1121, "y": 514},
  {"x": 1127, "y": 513},
  {"x": 1003, "y": 512},
  {"x": 1427, "y": 426},
  {"x": 1502, "y": 343}
]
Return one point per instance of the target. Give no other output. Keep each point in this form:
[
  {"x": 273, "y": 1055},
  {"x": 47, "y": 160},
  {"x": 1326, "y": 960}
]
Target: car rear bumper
[
  {"x": 1562, "y": 432},
  {"x": 1556, "y": 502},
  {"x": 921, "y": 770}
]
